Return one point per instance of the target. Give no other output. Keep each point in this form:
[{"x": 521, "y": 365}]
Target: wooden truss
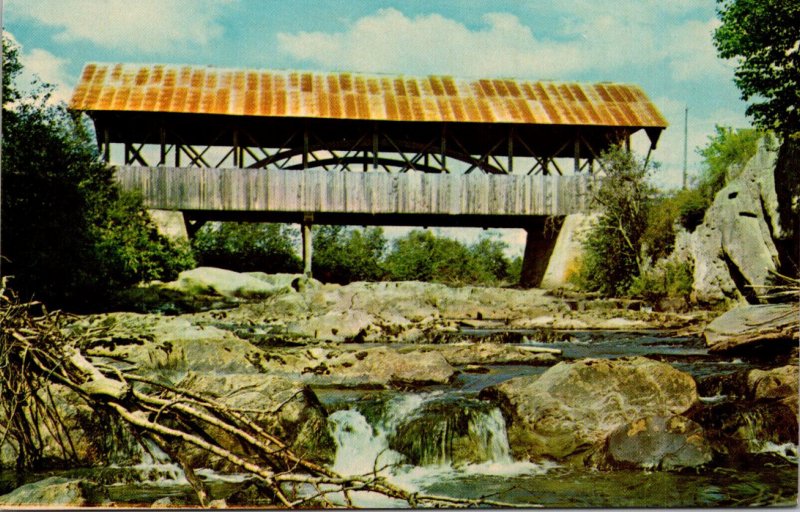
[{"x": 371, "y": 149}]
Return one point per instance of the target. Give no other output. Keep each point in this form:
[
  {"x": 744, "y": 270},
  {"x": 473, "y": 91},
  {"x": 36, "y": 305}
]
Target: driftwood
[{"x": 35, "y": 353}]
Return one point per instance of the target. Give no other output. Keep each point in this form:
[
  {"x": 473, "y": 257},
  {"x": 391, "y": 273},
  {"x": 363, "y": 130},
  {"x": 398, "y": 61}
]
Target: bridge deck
[{"x": 372, "y": 197}]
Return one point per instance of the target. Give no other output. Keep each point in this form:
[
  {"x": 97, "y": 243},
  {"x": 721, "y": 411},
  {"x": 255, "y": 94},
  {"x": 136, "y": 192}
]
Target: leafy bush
[
  {"x": 612, "y": 255},
  {"x": 671, "y": 279},
  {"x": 684, "y": 208},
  {"x": 69, "y": 236},
  {"x": 423, "y": 256},
  {"x": 247, "y": 247},
  {"x": 343, "y": 255}
]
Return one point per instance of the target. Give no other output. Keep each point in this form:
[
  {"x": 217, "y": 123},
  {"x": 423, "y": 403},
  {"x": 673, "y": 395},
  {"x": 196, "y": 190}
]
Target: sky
[{"x": 663, "y": 46}]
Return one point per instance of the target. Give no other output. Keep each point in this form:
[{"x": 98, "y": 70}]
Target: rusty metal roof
[{"x": 303, "y": 94}]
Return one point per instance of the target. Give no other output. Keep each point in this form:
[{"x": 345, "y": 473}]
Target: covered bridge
[{"x": 345, "y": 148}]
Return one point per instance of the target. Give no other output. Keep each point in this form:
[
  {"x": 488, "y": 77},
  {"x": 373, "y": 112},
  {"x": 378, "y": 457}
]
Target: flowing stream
[{"x": 444, "y": 440}]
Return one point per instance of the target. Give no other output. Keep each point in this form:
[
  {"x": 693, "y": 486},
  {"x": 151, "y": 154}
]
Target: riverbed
[{"x": 367, "y": 424}]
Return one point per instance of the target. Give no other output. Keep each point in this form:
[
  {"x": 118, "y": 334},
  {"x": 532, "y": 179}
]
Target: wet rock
[
  {"x": 776, "y": 384},
  {"x": 658, "y": 442},
  {"x": 56, "y": 491},
  {"x": 729, "y": 385},
  {"x": 748, "y": 326},
  {"x": 569, "y": 410},
  {"x": 288, "y": 410},
  {"x": 739, "y": 427},
  {"x": 451, "y": 432}
]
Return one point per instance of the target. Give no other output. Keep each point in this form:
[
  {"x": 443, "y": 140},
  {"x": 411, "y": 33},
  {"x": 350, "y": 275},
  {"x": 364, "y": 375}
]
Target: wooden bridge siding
[{"x": 351, "y": 192}]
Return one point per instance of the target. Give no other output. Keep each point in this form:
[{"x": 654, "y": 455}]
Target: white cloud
[
  {"x": 390, "y": 41},
  {"x": 135, "y": 26},
  {"x": 50, "y": 70},
  {"x": 589, "y": 38},
  {"x": 41, "y": 67}
]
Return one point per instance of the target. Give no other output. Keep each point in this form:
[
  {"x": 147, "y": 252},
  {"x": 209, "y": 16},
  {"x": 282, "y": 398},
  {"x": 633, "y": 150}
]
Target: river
[{"x": 455, "y": 444}]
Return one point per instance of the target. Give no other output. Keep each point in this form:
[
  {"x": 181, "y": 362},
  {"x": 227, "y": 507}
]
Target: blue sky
[{"x": 663, "y": 46}]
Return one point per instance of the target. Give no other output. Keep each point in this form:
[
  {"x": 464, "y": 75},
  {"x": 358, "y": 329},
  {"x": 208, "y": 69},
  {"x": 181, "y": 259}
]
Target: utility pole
[{"x": 685, "y": 143}]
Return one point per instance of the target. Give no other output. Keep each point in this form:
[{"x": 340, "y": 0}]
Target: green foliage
[
  {"x": 724, "y": 157},
  {"x": 763, "y": 35},
  {"x": 343, "y": 255},
  {"x": 612, "y": 256},
  {"x": 247, "y": 247},
  {"x": 672, "y": 279},
  {"x": 423, "y": 256},
  {"x": 69, "y": 237},
  {"x": 685, "y": 208}
]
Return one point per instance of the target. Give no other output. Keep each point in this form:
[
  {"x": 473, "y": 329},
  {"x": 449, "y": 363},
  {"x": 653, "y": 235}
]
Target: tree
[
  {"x": 725, "y": 156},
  {"x": 343, "y": 255},
  {"x": 247, "y": 247},
  {"x": 764, "y": 37},
  {"x": 70, "y": 237},
  {"x": 422, "y": 256},
  {"x": 612, "y": 248}
]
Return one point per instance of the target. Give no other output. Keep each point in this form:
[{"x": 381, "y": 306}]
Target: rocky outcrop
[
  {"x": 754, "y": 325},
  {"x": 56, "y": 492},
  {"x": 735, "y": 247},
  {"x": 658, "y": 442},
  {"x": 569, "y": 411}
]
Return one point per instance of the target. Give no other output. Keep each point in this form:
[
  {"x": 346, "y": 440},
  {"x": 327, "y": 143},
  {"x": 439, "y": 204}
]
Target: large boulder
[
  {"x": 756, "y": 324},
  {"x": 56, "y": 492},
  {"x": 659, "y": 442},
  {"x": 227, "y": 283},
  {"x": 284, "y": 408},
  {"x": 569, "y": 411},
  {"x": 734, "y": 248}
]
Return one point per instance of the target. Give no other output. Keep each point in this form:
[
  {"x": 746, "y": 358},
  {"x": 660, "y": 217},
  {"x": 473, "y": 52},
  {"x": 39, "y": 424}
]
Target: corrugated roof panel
[{"x": 195, "y": 89}]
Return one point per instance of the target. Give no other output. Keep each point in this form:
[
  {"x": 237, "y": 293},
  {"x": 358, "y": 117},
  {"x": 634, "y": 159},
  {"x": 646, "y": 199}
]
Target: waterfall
[{"x": 420, "y": 430}]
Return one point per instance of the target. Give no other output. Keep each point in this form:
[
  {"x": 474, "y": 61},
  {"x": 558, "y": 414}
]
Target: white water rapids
[{"x": 364, "y": 448}]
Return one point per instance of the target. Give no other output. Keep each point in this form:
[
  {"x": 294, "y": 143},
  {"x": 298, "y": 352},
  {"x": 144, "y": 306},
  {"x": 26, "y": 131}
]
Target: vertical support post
[
  {"x": 162, "y": 161},
  {"x": 375, "y": 145},
  {"x": 366, "y": 166},
  {"x": 177, "y": 155},
  {"x": 127, "y": 153},
  {"x": 444, "y": 147},
  {"x": 511, "y": 150},
  {"x": 307, "y": 244},
  {"x": 628, "y": 143},
  {"x": 577, "y": 152},
  {"x": 106, "y": 146},
  {"x": 305, "y": 147},
  {"x": 236, "y": 156}
]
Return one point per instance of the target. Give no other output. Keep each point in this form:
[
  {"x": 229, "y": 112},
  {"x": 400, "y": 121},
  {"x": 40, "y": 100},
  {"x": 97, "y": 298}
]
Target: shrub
[
  {"x": 670, "y": 279},
  {"x": 612, "y": 255}
]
